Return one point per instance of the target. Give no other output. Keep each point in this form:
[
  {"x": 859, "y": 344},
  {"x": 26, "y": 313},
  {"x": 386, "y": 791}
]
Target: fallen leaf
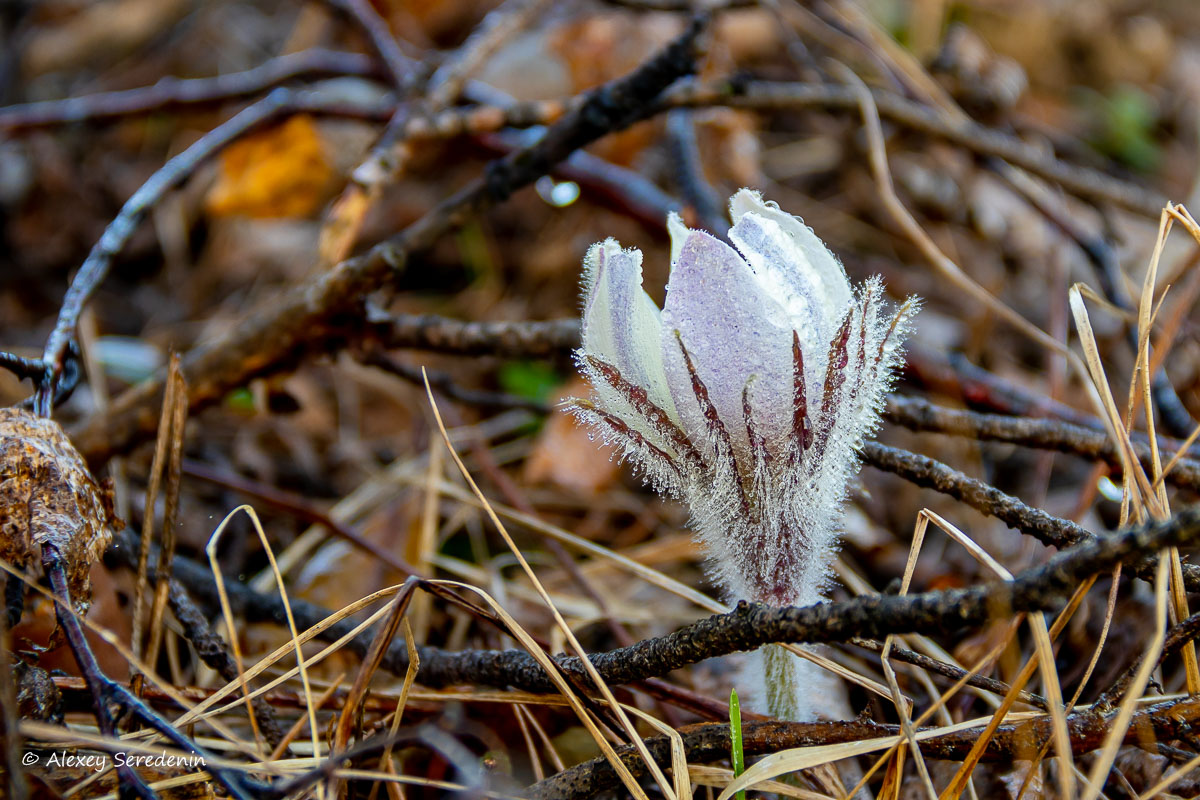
[
  {"x": 564, "y": 453},
  {"x": 279, "y": 172}
]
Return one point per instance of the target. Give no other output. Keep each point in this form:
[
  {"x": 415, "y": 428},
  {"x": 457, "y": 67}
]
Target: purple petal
[{"x": 732, "y": 329}]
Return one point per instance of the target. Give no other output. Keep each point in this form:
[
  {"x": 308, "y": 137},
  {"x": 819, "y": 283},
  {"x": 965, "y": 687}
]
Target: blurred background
[{"x": 1105, "y": 91}]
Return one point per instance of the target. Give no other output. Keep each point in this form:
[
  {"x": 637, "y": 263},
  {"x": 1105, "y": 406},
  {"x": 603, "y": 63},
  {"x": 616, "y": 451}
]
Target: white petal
[
  {"x": 732, "y": 330},
  {"x": 621, "y": 324},
  {"x": 784, "y": 249},
  {"x": 679, "y": 234}
]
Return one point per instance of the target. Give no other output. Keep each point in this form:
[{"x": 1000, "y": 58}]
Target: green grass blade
[{"x": 736, "y": 756}]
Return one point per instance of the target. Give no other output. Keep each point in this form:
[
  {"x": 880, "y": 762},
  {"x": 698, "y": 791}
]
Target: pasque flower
[{"x": 747, "y": 396}]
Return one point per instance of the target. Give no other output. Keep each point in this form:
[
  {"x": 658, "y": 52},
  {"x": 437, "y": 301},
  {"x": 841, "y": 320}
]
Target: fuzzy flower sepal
[{"x": 749, "y": 394}]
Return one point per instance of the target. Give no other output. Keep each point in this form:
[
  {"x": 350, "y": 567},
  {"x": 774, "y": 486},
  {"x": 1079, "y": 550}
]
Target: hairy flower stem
[{"x": 786, "y": 677}]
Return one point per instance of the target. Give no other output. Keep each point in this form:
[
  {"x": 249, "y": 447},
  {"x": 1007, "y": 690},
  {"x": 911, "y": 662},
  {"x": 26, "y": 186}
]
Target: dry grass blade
[
  {"x": 785, "y": 761},
  {"x": 205, "y": 709},
  {"x": 1045, "y": 659},
  {"x": 352, "y": 707},
  {"x": 176, "y": 402},
  {"x": 620, "y": 767},
  {"x": 649, "y": 574},
  {"x": 962, "y": 775},
  {"x": 1099, "y": 389},
  {"x": 720, "y": 777},
  {"x": 904, "y": 708},
  {"x": 679, "y": 765},
  {"x": 410, "y": 675},
  {"x": 157, "y": 469},
  {"x": 535, "y": 650},
  {"x": 1044, "y": 650},
  {"x": 211, "y": 550},
  {"x": 944, "y": 265},
  {"x": 111, "y": 639},
  {"x": 1116, "y": 735},
  {"x": 300, "y": 723}
]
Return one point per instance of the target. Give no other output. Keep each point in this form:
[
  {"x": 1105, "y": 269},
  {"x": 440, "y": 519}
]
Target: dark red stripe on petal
[
  {"x": 758, "y": 451},
  {"x": 901, "y": 313},
  {"x": 640, "y": 400},
  {"x": 835, "y": 376},
  {"x": 801, "y": 424},
  {"x": 758, "y": 444},
  {"x": 716, "y": 426},
  {"x": 661, "y": 457},
  {"x": 839, "y": 357}
]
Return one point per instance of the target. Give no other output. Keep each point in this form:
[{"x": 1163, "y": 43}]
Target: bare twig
[
  {"x": 211, "y": 649},
  {"x": 1186, "y": 631},
  {"x": 13, "y": 783},
  {"x": 402, "y": 69},
  {"x": 747, "y": 627},
  {"x": 1050, "y": 530},
  {"x": 271, "y": 339},
  {"x": 903, "y": 654},
  {"x": 298, "y": 507},
  {"x": 176, "y": 92},
  {"x": 710, "y": 742},
  {"x": 107, "y": 694},
  {"x": 1063, "y": 437},
  {"x": 446, "y": 385},
  {"x": 553, "y": 338},
  {"x": 1086, "y": 183},
  {"x": 689, "y": 174},
  {"x": 497, "y": 27},
  {"x": 116, "y": 235}
]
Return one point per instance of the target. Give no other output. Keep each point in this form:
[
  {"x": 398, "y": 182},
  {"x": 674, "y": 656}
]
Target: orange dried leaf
[
  {"x": 49, "y": 498},
  {"x": 279, "y": 172}
]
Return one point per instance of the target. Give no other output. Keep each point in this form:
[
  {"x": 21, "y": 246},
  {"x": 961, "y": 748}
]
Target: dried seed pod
[{"x": 48, "y": 498}]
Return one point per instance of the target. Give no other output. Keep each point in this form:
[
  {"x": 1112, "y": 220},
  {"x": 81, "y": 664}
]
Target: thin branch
[
  {"x": 553, "y": 338},
  {"x": 1177, "y": 637},
  {"x": 1083, "y": 182},
  {"x": 402, "y": 69},
  {"x": 108, "y": 694},
  {"x": 446, "y": 385},
  {"x": 748, "y": 627},
  {"x": 1050, "y": 530},
  {"x": 173, "y": 92},
  {"x": 212, "y": 650},
  {"x": 116, "y": 235},
  {"x": 954, "y": 673},
  {"x": 498, "y": 27},
  {"x": 710, "y": 742},
  {"x": 272, "y": 338},
  {"x": 689, "y": 174},
  {"x": 299, "y": 508},
  {"x": 1063, "y": 437}
]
